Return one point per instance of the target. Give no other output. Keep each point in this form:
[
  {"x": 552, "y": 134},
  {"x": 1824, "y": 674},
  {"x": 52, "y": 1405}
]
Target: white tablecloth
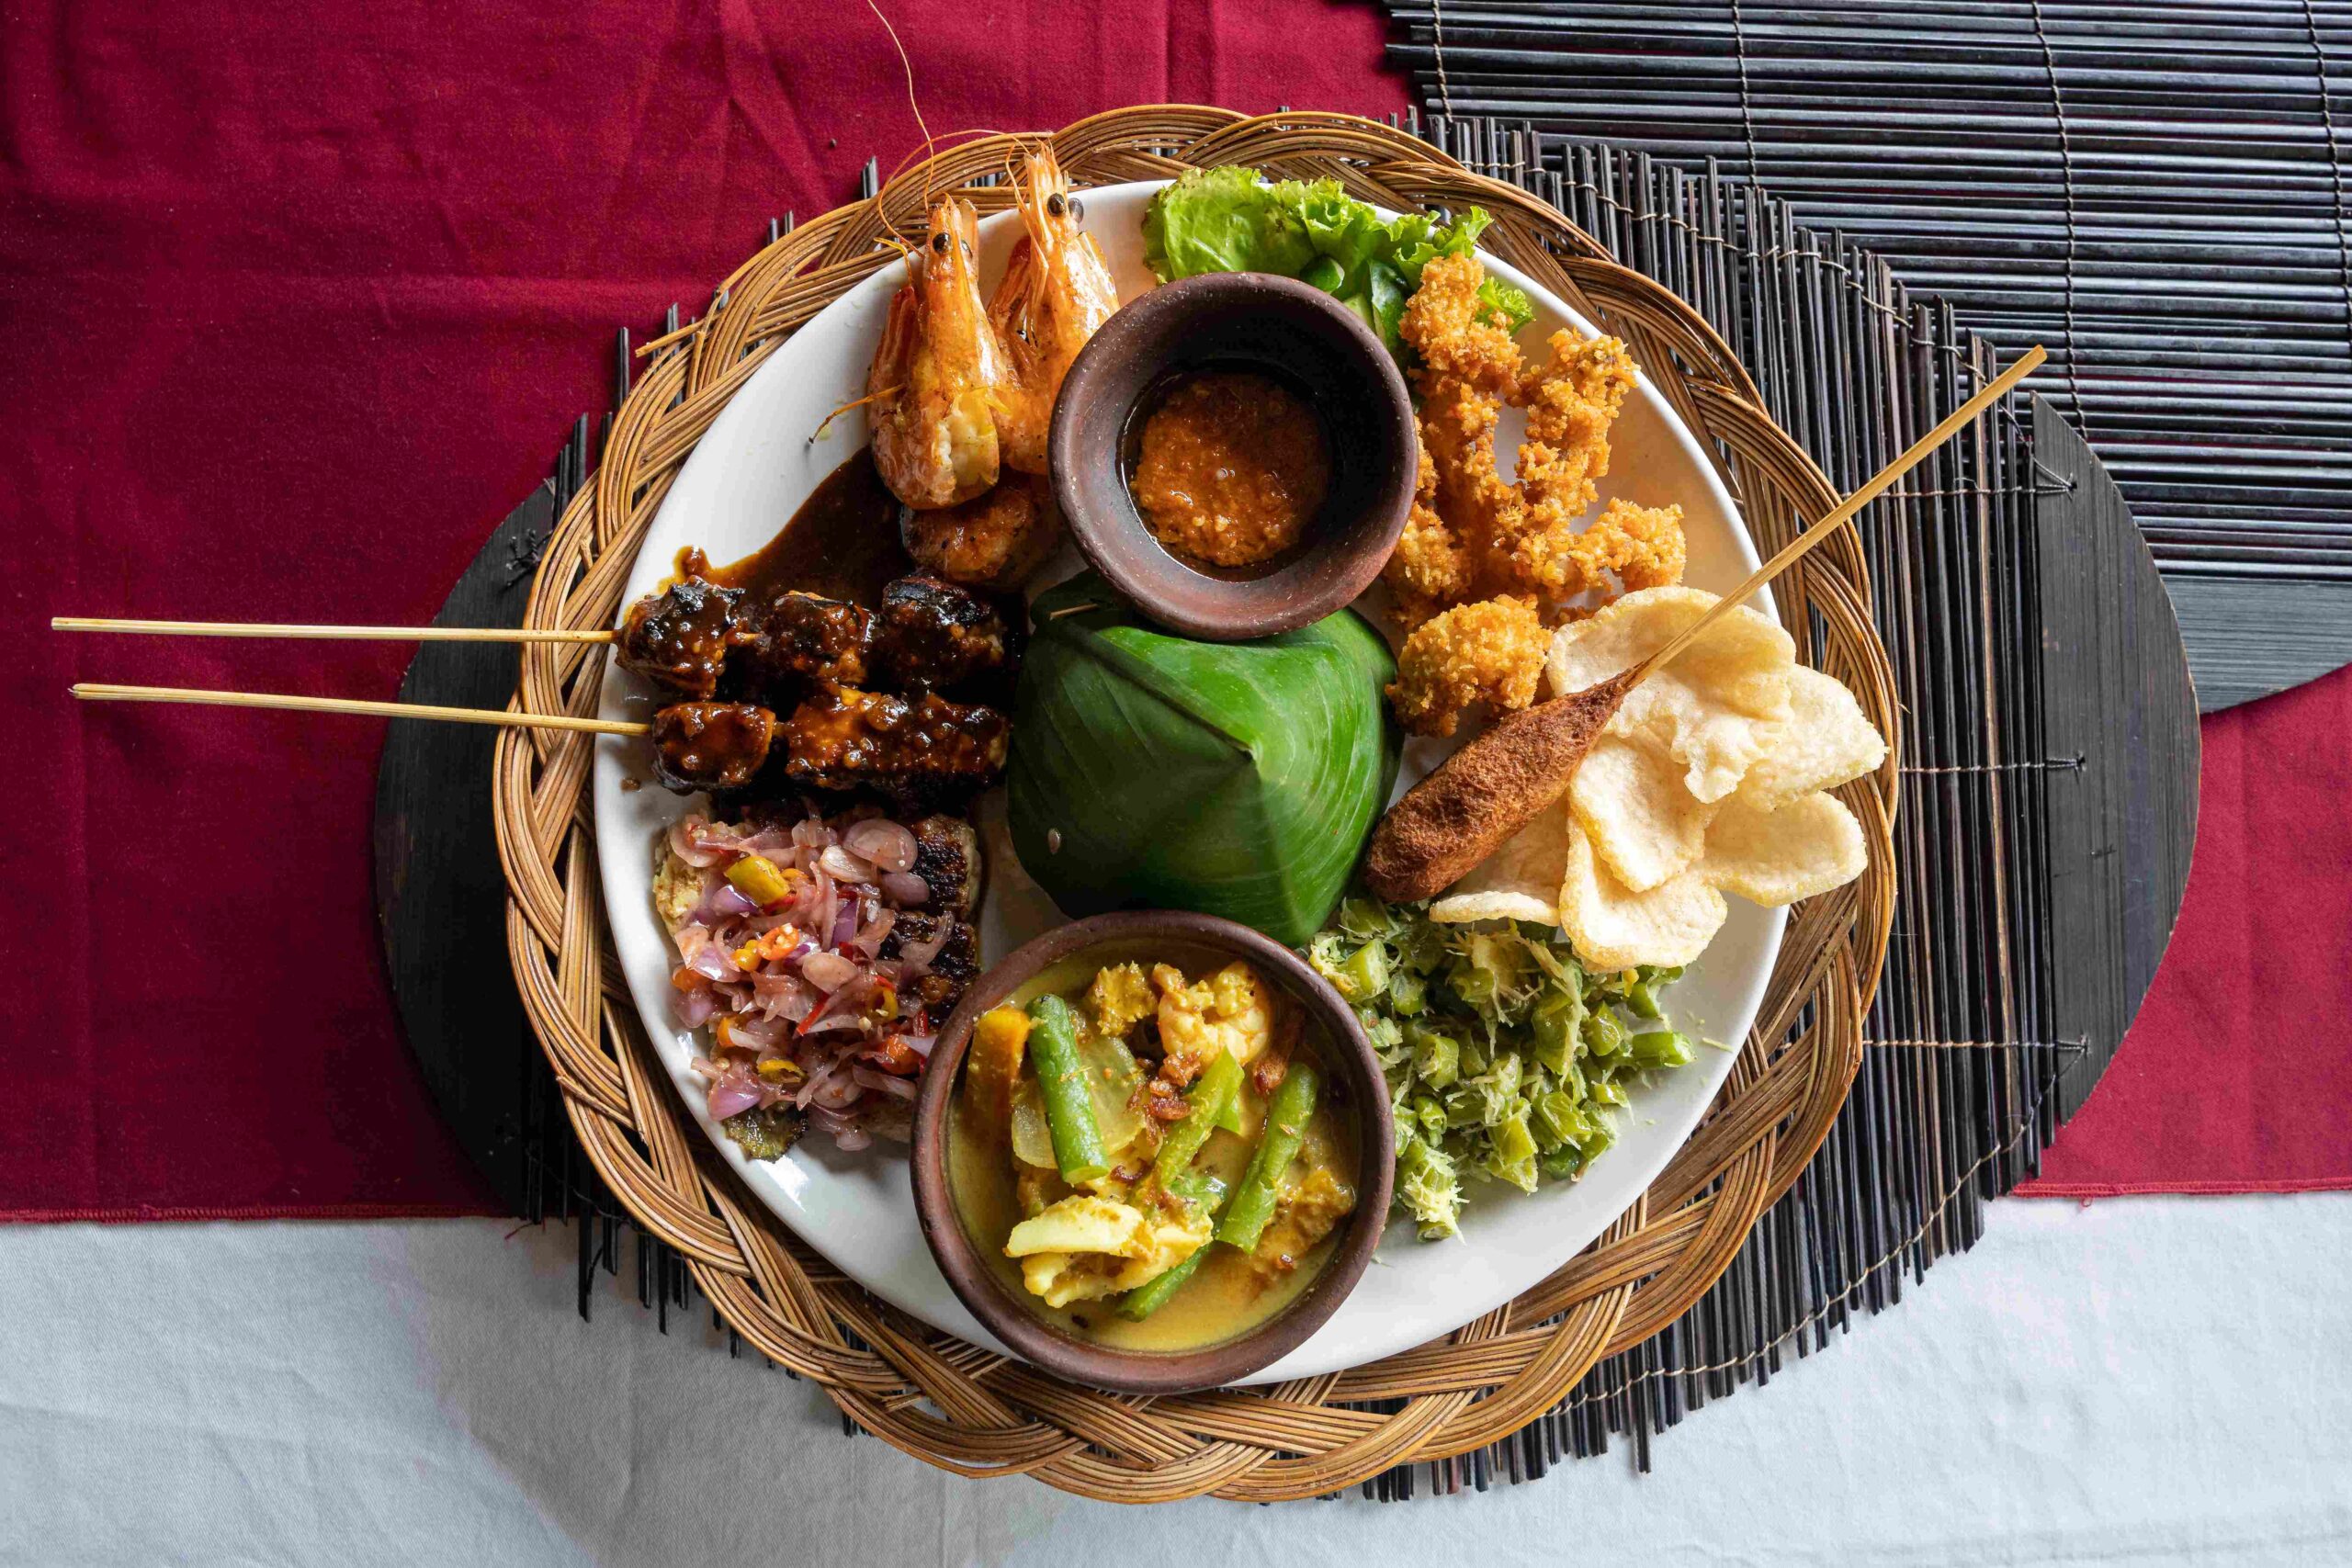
[{"x": 2142, "y": 1380}]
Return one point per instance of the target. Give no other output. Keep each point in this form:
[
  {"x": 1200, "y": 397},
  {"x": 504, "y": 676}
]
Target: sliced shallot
[
  {"x": 844, "y": 867},
  {"x": 883, "y": 841},
  {"x": 829, "y": 970}
]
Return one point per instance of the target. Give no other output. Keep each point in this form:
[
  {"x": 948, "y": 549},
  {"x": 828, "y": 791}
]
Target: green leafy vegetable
[
  {"x": 1507, "y": 301},
  {"x": 1235, "y": 220},
  {"x": 1503, "y": 1058},
  {"x": 1239, "y": 778}
]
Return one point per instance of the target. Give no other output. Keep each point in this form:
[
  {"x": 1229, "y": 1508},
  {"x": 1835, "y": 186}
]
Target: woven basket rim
[{"x": 951, "y": 1402}]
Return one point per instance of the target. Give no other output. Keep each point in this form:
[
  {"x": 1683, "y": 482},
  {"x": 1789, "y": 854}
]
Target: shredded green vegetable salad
[
  {"x": 1233, "y": 219},
  {"x": 1504, "y": 1057}
]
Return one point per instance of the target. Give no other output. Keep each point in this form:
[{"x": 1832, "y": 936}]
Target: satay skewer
[
  {"x": 94, "y": 692},
  {"x": 326, "y": 632}
]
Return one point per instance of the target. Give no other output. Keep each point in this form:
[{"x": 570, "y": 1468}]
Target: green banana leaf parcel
[{"x": 1237, "y": 779}]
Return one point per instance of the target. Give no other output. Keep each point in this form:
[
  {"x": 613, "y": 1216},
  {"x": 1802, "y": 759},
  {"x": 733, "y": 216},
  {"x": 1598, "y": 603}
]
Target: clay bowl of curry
[
  {"x": 1236, "y": 454},
  {"x": 1151, "y": 1151}
]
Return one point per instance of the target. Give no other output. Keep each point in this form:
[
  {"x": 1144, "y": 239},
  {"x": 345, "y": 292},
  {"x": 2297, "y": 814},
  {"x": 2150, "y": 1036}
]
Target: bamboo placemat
[
  {"x": 1970, "y": 1071},
  {"x": 2157, "y": 190}
]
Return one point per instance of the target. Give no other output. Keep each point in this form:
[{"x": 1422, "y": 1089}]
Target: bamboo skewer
[
  {"x": 1489, "y": 789},
  {"x": 1871, "y": 488},
  {"x": 325, "y": 632},
  {"x": 91, "y": 692}
]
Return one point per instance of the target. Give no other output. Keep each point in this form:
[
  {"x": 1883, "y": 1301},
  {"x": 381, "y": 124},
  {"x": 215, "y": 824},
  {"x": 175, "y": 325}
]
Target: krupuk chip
[
  {"x": 1713, "y": 709},
  {"x": 1629, "y": 798},
  {"x": 1519, "y": 882},
  {"x": 1709, "y": 780}
]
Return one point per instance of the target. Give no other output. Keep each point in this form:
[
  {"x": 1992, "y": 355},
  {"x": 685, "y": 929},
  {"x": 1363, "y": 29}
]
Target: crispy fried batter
[
  {"x": 1492, "y": 649},
  {"x": 1454, "y": 335},
  {"x": 1483, "y": 563},
  {"x": 1430, "y": 568},
  {"x": 1571, "y": 401},
  {"x": 1458, "y": 432},
  {"x": 1643, "y": 544},
  {"x": 1477, "y": 536}
]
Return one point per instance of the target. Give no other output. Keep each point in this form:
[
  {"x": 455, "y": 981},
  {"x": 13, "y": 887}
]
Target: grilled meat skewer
[
  {"x": 918, "y": 752},
  {"x": 802, "y": 637},
  {"x": 715, "y": 746},
  {"x": 703, "y": 639},
  {"x": 680, "y": 637},
  {"x": 933, "y": 635}
]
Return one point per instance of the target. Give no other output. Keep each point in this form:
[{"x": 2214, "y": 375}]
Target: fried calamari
[
  {"x": 1491, "y": 651},
  {"x": 1430, "y": 567},
  {"x": 1473, "y": 535},
  {"x": 1456, "y": 336}
]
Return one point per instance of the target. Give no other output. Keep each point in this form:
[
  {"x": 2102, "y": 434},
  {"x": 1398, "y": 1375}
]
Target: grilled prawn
[
  {"x": 940, "y": 383},
  {"x": 1055, "y": 294}
]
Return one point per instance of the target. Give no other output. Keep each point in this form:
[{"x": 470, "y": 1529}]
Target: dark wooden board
[
  {"x": 2117, "y": 694},
  {"x": 2249, "y": 636},
  {"x": 440, "y": 894}
]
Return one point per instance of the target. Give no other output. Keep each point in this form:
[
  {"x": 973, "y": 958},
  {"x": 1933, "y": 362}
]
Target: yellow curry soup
[{"x": 1206, "y": 1194}]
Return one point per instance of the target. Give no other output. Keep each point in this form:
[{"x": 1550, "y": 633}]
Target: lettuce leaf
[
  {"x": 1233, "y": 219},
  {"x": 1225, "y": 220},
  {"x": 1507, "y": 301}
]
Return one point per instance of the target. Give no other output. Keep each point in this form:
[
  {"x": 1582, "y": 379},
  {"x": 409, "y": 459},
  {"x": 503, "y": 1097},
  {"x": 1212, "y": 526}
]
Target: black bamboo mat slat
[
  {"x": 1978, "y": 1049},
  {"x": 2156, "y": 191}
]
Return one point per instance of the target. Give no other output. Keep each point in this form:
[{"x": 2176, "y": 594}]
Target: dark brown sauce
[{"x": 842, "y": 543}]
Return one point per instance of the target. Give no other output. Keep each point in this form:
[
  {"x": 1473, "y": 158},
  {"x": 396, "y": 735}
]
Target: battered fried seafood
[
  {"x": 1430, "y": 568},
  {"x": 1491, "y": 651},
  {"x": 1456, "y": 335},
  {"x": 1474, "y": 535},
  {"x": 1643, "y": 544},
  {"x": 1570, "y": 402},
  {"x": 1484, "y": 511}
]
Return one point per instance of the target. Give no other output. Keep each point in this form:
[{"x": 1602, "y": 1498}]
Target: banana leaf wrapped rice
[{"x": 1238, "y": 779}]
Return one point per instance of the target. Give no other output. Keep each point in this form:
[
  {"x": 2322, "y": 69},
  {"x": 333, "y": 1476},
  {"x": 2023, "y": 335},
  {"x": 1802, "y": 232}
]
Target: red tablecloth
[
  {"x": 298, "y": 302},
  {"x": 2237, "y": 1074}
]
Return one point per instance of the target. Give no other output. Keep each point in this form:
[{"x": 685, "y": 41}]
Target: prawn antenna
[
  {"x": 907, "y": 66},
  {"x": 826, "y": 423}
]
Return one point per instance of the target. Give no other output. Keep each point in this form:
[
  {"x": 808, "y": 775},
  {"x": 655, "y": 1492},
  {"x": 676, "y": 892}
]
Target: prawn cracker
[
  {"x": 1715, "y": 709},
  {"x": 1519, "y": 881},
  {"x": 1827, "y": 740},
  {"x": 1808, "y": 846},
  {"x": 1629, "y": 798},
  {"x": 1612, "y": 927}
]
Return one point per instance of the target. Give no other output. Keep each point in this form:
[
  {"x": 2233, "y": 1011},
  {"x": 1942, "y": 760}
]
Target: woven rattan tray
[{"x": 969, "y": 1410}]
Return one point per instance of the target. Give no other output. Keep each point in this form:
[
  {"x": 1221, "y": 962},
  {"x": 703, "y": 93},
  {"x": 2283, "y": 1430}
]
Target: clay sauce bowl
[
  {"x": 1003, "y": 1308},
  {"x": 1237, "y": 320}
]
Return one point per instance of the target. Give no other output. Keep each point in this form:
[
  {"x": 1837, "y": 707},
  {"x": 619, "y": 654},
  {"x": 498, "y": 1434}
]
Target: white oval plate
[{"x": 757, "y": 463}]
